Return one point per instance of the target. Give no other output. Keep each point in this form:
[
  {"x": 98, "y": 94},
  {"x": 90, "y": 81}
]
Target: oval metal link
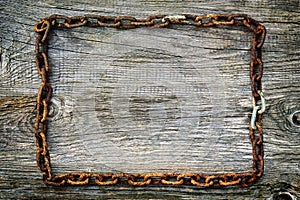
[
  {"x": 77, "y": 179},
  {"x": 229, "y": 180},
  {"x": 238, "y": 19},
  {"x": 166, "y": 179},
  {"x": 190, "y": 19},
  {"x": 100, "y": 179},
  {"x": 204, "y": 20},
  {"x": 123, "y": 19},
  {"x": 58, "y": 180},
  {"x": 223, "y": 20},
  {"x": 251, "y": 24},
  {"x": 213, "y": 180},
  {"x": 255, "y": 86},
  {"x": 59, "y": 21},
  {"x": 92, "y": 20},
  {"x": 157, "y": 21},
  {"x": 76, "y": 21},
  {"x": 40, "y": 160},
  {"x": 43, "y": 28},
  {"x": 174, "y": 19},
  {"x": 155, "y": 177},
  {"x": 260, "y": 35},
  {"x": 248, "y": 180},
  {"x": 132, "y": 180},
  {"x": 109, "y": 21},
  {"x": 42, "y": 156},
  {"x": 44, "y": 93},
  {"x": 259, "y": 67},
  {"x": 42, "y": 62},
  {"x": 200, "y": 180}
]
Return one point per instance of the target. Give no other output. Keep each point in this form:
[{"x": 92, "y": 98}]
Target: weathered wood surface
[{"x": 145, "y": 100}]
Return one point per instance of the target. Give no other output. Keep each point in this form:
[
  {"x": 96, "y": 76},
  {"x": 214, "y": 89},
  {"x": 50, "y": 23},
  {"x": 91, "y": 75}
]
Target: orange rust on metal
[{"x": 44, "y": 27}]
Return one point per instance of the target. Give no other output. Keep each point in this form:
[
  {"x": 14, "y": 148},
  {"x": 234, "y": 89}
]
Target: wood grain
[{"x": 144, "y": 100}]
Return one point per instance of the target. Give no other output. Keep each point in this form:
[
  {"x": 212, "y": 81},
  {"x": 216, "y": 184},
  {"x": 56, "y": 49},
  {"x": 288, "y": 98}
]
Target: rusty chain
[{"x": 43, "y": 29}]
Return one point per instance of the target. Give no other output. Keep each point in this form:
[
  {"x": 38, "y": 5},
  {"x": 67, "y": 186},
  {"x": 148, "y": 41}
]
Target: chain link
[{"x": 43, "y": 29}]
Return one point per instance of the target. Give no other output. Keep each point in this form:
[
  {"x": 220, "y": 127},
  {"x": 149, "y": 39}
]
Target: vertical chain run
[
  {"x": 43, "y": 99},
  {"x": 43, "y": 29}
]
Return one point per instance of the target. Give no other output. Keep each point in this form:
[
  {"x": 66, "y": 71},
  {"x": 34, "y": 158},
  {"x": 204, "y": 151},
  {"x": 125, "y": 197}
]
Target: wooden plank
[{"x": 165, "y": 100}]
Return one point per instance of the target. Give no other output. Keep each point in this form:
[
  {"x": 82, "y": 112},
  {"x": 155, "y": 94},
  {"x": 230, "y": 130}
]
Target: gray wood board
[{"x": 176, "y": 99}]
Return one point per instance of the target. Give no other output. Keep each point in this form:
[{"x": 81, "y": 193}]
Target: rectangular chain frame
[{"x": 43, "y": 29}]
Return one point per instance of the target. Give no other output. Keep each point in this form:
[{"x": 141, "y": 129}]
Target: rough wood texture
[{"x": 144, "y": 100}]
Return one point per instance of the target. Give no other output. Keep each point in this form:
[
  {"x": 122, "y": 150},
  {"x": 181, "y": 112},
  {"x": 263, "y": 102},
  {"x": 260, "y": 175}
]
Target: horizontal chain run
[
  {"x": 201, "y": 180},
  {"x": 44, "y": 27}
]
